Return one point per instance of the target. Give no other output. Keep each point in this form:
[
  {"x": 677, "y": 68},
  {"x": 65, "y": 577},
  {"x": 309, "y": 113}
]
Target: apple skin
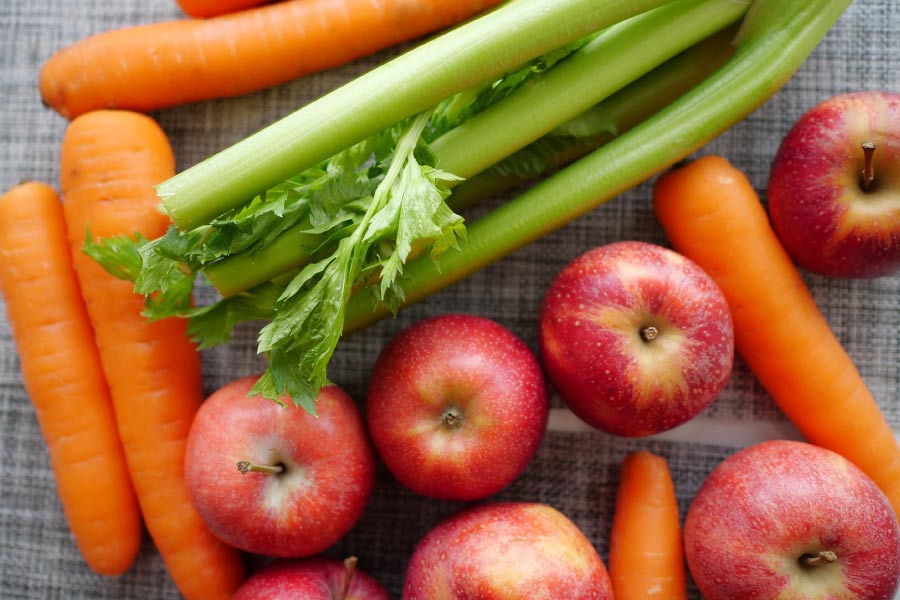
[
  {"x": 327, "y": 481},
  {"x": 764, "y": 507},
  {"x": 826, "y": 222},
  {"x": 506, "y": 551},
  {"x": 316, "y": 578},
  {"x": 592, "y": 347},
  {"x": 486, "y": 377}
]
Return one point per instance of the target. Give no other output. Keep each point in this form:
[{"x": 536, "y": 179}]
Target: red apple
[
  {"x": 457, "y": 406},
  {"x": 636, "y": 338},
  {"x": 276, "y": 480},
  {"x": 836, "y": 211},
  {"x": 506, "y": 551},
  {"x": 791, "y": 521},
  {"x": 311, "y": 579}
]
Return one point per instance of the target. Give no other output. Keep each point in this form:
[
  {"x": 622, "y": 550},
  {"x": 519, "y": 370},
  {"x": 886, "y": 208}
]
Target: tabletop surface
[{"x": 576, "y": 468}]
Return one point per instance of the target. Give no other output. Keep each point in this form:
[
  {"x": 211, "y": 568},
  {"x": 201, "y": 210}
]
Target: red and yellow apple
[
  {"x": 276, "y": 480},
  {"x": 506, "y": 551},
  {"x": 636, "y": 338},
  {"x": 316, "y": 578},
  {"x": 785, "y": 520},
  {"x": 456, "y": 406},
  {"x": 834, "y": 188}
]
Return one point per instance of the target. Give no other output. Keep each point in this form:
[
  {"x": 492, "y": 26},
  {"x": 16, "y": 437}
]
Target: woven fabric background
[{"x": 576, "y": 470}]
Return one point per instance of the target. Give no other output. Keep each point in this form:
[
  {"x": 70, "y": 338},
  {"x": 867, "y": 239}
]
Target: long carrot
[
  {"x": 712, "y": 215},
  {"x": 646, "y": 557},
  {"x": 110, "y": 161},
  {"x": 211, "y": 8},
  {"x": 154, "y": 66},
  {"x": 63, "y": 378}
]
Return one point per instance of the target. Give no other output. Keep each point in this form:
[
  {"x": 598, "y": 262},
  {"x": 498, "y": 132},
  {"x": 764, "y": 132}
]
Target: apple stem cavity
[
  {"x": 868, "y": 172},
  {"x": 649, "y": 333},
  {"x": 246, "y": 466},
  {"x": 822, "y": 558},
  {"x": 452, "y": 418},
  {"x": 349, "y": 568}
]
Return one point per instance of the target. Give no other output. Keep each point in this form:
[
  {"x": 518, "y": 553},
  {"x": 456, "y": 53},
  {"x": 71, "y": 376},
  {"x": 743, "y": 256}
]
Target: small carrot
[
  {"x": 713, "y": 216},
  {"x": 646, "y": 556},
  {"x": 210, "y": 8},
  {"x": 63, "y": 378},
  {"x": 154, "y": 66},
  {"x": 109, "y": 163}
]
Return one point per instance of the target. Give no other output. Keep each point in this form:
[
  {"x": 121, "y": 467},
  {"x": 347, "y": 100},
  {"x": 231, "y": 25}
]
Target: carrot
[
  {"x": 64, "y": 380},
  {"x": 154, "y": 66},
  {"x": 646, "y": 559},
  {"x": 211, "y": 8},
  {"x": 109, "y": 163},
  {"x": 712, "y": 215}
]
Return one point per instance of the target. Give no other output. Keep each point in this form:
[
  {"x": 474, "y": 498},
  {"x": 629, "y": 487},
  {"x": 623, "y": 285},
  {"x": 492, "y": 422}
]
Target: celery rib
[{"x": 411, "y": 83}]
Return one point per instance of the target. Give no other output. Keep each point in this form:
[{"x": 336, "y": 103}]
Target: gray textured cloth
[{"x": 577, "y": 471}]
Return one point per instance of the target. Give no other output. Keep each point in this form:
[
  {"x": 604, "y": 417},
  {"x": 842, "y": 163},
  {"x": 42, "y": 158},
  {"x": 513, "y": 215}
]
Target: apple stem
[
  {"x": 246, "y": 466},
  {"x": 822, "y": 558},
  {"x": 349, "y": 568},
  {"x": 868, "y": 173},
  {"x": 452, "y": 418},
  {"x": 649, "y": 333}
]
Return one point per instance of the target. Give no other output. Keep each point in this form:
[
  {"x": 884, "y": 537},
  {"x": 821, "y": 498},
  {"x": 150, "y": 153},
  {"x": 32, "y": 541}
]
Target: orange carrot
[
  {"x": 712, "y": 215},
  {"x": 63, "y": 378},
  {"x": 109, "y": 164},
  {"x": 154, "y": 66},
  {"x": 646, "y": 559},
  {"x": 211, "y": 8}
]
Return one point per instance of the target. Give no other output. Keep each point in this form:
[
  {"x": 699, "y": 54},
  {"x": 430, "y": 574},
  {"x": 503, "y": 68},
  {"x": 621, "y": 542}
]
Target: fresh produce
[
  {"x": 154, "y": 66},
  {"x": 646, "y": 558},
  {"x": 380, "y": 202},
  {"x": 311, "y": 579},
  {"x": 109, "y": 162},
  {"x": 636, "y": 338},
  {"x": 457, "y": 407},
  {"x": 64, "y": 379},
  {"x": 274, "y": 479},
  {"x": 775, "y": 38},
  {"x": 834, "y": 189},
  {"x": 506, "y": 551},
  {"x": 786, "y": 519},
  {"x": 212, "y": 8},
  {"x": 712, "y": 215}
]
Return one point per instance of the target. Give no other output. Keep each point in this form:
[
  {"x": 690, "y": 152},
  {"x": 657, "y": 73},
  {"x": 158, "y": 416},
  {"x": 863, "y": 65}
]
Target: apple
[
  {"x": 834, "y": 187},
  {"x": 456, "y": 406},
  {"x": 276, "y": 480},
  {"x": 788, "y": 520},
  {"x": 316, "y": 578},
  {"x": 636, "y": 338},
  {"x": 506, "y": 551}
]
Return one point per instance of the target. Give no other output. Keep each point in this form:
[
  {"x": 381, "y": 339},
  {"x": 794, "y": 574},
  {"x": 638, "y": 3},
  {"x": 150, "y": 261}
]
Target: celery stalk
[
  {"x": 411, "y": 83},
  {"x": 560, "y": 94},
  {"x": 776, "y": 37}
]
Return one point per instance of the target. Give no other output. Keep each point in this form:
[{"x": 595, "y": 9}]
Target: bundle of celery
[{"x": 345, "y": 193}]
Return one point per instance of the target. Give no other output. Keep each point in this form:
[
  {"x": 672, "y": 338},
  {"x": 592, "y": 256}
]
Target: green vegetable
[
  {"x": 775, "y": 39},
  {"x": 355, "y": 219}
]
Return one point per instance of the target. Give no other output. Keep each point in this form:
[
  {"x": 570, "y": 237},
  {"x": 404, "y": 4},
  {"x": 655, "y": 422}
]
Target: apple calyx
[
  {"x": 649, "y": 333},
  {"x": 868, "y": 172},
  {"x": 822, "y": 558},
  {"x": 349, "y": 568},
  {"x": 245, "y": 466},
  {"x": 452, "y": 418}
]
